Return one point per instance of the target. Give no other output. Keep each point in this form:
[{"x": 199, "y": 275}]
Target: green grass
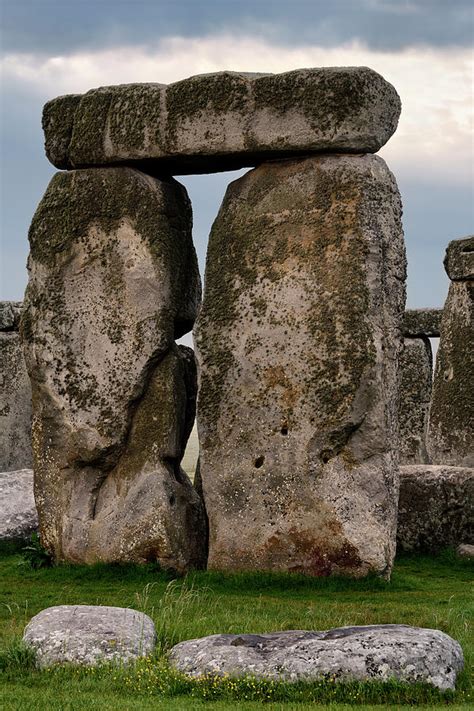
[{"x": 424, "y": 591}]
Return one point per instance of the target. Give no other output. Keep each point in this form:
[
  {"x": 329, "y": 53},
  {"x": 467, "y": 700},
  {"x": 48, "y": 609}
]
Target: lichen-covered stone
[
  {"x": 416, "y": 377},
  {"x": 15, "y": 401},
  {"x": 10, "y": 312},
  {"x": 451, "y": 420},
  {"x": 89, "y": 635},
  {"x": 57, "y": 122},
  {"x": 422, "y": 322},
  {"x": 18, "y": 517},
  {"x": 110, "y": 266},
  {"x": 375, "y": 652},
  {"x": 459, "y": 259},
  {"x": 297, "y": 344},
  {"x": 223, "y": 121},
  {"x": 436, "y": 507}
]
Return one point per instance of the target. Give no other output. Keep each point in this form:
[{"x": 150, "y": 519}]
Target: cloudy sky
[{"x": 424, "y": 47}]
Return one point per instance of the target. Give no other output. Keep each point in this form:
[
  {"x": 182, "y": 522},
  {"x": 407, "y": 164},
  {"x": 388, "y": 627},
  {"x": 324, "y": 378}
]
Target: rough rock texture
[
  {"x": 422, "y": 322},
  {"x": 381, "y": 652},
  {"x": 10, "y": 312},
  {"x": 89, "y": 635},
  {"x": 416, "y": 378},
  {"x": 18, "y": 517},
  {"x": 436, "y": 507},
  {"x": 451, "y": 423},
  {"x": 459, "y": 259},
  {"x": 465, "y": 550},
  {"x": 15, "y": 394},
  {"x": 297, "y": 344},
  {"x": 113, "y": 280},
  {"x": 223, "y": 121}
]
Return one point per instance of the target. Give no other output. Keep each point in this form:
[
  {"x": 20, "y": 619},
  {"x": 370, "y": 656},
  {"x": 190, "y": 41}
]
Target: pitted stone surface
[
  {"x": 297, "y": 343},
  {"x": 436, "y": 507},
  {"x": 18, "y": 517},
  {"x": 10, "y": 312},
  {"x": 422, "y": 322},
  {"x": 89, "y": 635},
  {"x": 375, "y": 652},
  {"x": 459, "y": 259},
  {"x": 15, "y": 399},
  {"x": 113, "y": 280},
  {"x": 451, "y": 422},
  {"x": 223, "y": 121},
  {"x": 416, "y": 377}
]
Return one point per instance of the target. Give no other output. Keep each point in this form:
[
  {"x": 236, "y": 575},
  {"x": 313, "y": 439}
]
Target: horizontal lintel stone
[
  {"x": 222, "y": 121},
  {"x": 422, "y": 322}
]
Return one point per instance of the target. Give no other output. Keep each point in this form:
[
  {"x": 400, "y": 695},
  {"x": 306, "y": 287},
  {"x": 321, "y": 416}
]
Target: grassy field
[{"x": 428, "y": 592}]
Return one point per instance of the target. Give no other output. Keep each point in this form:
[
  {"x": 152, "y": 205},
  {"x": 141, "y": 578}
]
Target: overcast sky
[{"x": 424, "y": 47}]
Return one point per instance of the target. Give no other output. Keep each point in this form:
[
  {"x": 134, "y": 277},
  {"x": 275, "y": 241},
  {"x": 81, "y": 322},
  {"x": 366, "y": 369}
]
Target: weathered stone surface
[
  {"x": 436, "y": 507},
  {"x": 10, "y": 312},
  {"x": 451, "y": 421},
  {"x": 297, "y": 345},
  {"x": 459, "y": 259},
  {"x": 89, "y": 635},
  {"x": 18, "y": 517},
  {"x": 15, "y": 404},
  {"x": 375, "y": 652},
  {"x": 465, "y": 550},
  {"x": 113, "y": 280},
  {"x": 416, "y": 377},
  {"x": 223, "y": 121},
  {"x": 58, "y": 121},
  {"x": 422, "y": 322}
]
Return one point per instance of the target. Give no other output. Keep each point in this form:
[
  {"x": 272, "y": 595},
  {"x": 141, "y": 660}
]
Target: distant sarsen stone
[
  {"x": 18, "y": 517},
  {"x": 416, "y": 378},
  {"x": 422, "y": 322}
]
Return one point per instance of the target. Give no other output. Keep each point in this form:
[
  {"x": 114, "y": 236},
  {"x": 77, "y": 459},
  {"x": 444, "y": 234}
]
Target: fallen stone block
[
  {"x": 297, "y": 344},
  {"x": 223, "y": 121},
  {"x": 422, "y": 322},
  {"x": 89, "y": 635},
  {"x": 436, "y": 507},
  {"x": 18, "y": 516},
  {"x": 376, "y": 652},
  {"x": 465, "y": 550}
]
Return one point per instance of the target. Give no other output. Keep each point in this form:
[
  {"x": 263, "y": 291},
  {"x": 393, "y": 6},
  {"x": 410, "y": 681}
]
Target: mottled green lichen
[{"x": 57, "y": 122}]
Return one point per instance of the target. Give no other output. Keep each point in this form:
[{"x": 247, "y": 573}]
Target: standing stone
[
  {"x": 297, "y": 344},
  {"x": 15, "y": 393},
  {"x": 451, "y": 426},
  {"x": 113, "y": 281},
  {"x": 18, "y": 517},
  {"x": 416, "y": 376}
]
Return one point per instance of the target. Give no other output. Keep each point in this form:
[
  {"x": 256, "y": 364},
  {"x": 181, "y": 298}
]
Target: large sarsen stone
[
  {"x": 416, "y": 378},
  {"x": 113, "y": 281},
  {"x": 375, "y": 652},
  {"x": 297, "y": 344},
  {"x": 223, "y": 121}
]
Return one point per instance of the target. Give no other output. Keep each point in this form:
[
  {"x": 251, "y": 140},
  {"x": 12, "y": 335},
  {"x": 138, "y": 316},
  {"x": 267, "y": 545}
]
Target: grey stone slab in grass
[
  {"x": 465, "y": 550},
  {"x": 89, "y": 635},
  {"x": 436, "y": 507},
  {"x": 375, "y": 652},
  {"x": 18, "y": 517},
  {"x": 223, "y": 121},
  {"x": 422, "y": 322}
]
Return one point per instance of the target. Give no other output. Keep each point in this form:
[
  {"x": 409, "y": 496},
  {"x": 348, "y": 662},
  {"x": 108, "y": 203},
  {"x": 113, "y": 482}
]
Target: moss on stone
[{"x": 57, "y": 122}]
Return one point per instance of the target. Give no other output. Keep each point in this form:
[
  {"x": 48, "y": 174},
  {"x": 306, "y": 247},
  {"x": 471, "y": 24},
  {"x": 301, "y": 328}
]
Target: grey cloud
[{"x": 64, "y": 26}]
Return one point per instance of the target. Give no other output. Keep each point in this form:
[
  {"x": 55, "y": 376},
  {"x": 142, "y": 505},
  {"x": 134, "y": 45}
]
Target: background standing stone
[
  {"x": 15, "y": 393},
  {"x": 416, "y": 379},
  {"x": 113, "y": 281},
  {"x": 451, "y": 424},
  {"x": 297, "y": 344}
]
